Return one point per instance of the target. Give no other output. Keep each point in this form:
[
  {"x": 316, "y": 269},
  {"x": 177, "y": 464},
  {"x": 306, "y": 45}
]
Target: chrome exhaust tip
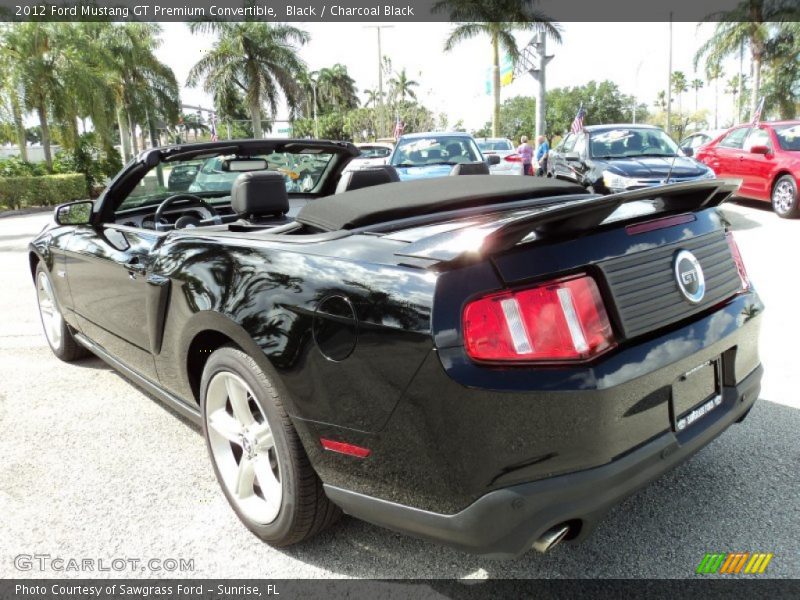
[{"x": 550, "y": 538}]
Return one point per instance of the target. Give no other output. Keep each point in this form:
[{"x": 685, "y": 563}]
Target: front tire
[
  {"x": 256, "y": 453},
  {"x": 58, "y": 333},
  {"x": 785, "y": 198}
]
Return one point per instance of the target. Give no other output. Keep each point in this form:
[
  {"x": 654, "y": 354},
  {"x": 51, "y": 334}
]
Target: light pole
[
  {"x": 316, "y": 122},
  {"x": 636, "y": 87},
  {"x": 378, "y": 28},
  {"x": 534, "y": 59},
  {"x": 669, "y": 80}
]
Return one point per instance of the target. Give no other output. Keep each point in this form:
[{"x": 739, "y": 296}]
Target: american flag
[
  {"x": 577, "y": 123},
  {"x": 757, "y": 114},
  {"x": 399, "y": 128},
  {"x": 214, "y": 136}
]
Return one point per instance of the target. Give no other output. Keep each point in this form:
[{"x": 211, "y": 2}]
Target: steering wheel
[{"x": 186, "y": 220}]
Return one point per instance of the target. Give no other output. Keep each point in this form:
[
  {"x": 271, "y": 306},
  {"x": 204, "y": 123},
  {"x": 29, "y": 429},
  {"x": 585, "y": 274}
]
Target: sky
[{"x": 634, "y": 55}]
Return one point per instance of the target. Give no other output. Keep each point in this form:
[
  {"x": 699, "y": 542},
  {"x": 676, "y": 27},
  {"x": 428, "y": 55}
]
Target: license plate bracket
[{"x": 696, "y": 393}]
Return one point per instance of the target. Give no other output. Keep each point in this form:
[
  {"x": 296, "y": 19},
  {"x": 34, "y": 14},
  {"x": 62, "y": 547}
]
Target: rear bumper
[{"x": 505, "y": 522}]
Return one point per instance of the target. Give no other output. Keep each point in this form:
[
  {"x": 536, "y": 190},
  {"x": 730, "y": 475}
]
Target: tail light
[
  {"x": 513, "y": 158},
  {"x": 737, "y": 259},
  {"x": 562, "y": 320}
]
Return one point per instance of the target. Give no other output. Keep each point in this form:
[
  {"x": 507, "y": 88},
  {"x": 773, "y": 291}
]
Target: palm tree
[
  {"x": 498, "y": 20},
  {"x": 714, "y": 73},
  {"x": 10, "y": 87},
  {"x": 32, "y": 49},
  {"x": 661, "y": 100},
  {"x": 258, "y": 59},
  {"x": 696, "y": 84},
  {"x": 336, "y": 89},
  {"x": 401, "y": 86},
  {"x": 373, "y": 98},
  {"x": 749, "y": 24},
  {"x": 141, "y": 89},
  {"x": 679, "y": 86},
  {"x": 732, "y": 88},
  {"x": 782, "y": 71}
]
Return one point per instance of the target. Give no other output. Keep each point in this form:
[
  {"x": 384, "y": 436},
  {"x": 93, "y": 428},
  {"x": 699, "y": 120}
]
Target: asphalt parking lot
[{"x": 91, "y": 467}]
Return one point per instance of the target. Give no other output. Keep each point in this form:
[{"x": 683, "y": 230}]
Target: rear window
[
  {"x": 374, "y": 152},
  {"x": 789, "y": 137},
  {"x": 495, "y": 145}
]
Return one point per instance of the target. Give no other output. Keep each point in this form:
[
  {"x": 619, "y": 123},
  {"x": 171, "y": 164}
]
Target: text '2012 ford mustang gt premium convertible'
[{"x": 486, "y": 362}]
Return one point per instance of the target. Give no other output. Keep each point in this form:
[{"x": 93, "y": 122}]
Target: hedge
[{"x": 44, "y": 190}]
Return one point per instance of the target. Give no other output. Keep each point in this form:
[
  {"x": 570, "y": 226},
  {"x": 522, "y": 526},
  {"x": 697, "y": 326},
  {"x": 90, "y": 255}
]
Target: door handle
[{"x": 134, "y": 267}]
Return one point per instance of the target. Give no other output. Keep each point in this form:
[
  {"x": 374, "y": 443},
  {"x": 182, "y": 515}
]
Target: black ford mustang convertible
[{"x": 487, "y": 362}]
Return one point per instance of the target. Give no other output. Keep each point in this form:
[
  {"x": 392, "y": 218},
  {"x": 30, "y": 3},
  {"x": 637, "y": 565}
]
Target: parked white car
[
  {"x": 510, "y": 162},
  {"x": 372, "y": 154}
]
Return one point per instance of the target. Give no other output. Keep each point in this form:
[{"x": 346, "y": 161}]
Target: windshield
[
  {"x": 495, "y": 145},
  {"x": 629, "y": 142},
  {"x": 789, "y": 137},
  {"x": 374, "y": 152},
  {"x": 213, "y": 177},
  {"x": 435, "y": 150}
]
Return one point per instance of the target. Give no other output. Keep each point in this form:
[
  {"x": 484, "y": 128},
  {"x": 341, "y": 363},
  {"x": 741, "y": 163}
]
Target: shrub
[
  {"x": 45, "y": 190},
  {"x": 88, "y": 157},
  {"x": 13, "y": 166}
]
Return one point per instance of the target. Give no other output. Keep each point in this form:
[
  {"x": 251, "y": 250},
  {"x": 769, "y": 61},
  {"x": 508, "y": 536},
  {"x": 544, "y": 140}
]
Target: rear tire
[
  {"x": 56, "y": 331},
  {"x": 785, "y": 201},
  {"x": 256, "y": 453}
]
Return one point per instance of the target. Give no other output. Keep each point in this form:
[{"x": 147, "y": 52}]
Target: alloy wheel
[
  {"x": 243, "y": 447},
  {"x": 783, "y": 197},
  {"x": 52, "y": 321}
]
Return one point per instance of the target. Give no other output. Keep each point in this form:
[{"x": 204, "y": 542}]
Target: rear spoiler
[{"x": 562, "y": 218}]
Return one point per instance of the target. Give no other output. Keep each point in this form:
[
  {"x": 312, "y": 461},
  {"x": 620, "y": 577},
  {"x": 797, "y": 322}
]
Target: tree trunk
[
  {"x": 754, "y": 93},
  {"x": 134, "y": 141},
  {"x": 124, "y": 141},
  {"x": 48, "y": 158},
  {"x": 740, "y": 93},
  {"x": 716, "y": 103},
  {"x": 19, "y": 126},
  {"x": 255, "y": 116},
  {"x": 496, "y": 85}
]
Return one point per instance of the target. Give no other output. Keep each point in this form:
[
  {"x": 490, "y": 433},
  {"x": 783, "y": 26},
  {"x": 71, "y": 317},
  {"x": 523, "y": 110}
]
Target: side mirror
[
  {"x": 572, "y": 156},
  {"x": 759, "y": 149},
  {"x": 74, "y": 213},
  {"x": 688, "y": 151},
  {"x": 492, "y": 159}
]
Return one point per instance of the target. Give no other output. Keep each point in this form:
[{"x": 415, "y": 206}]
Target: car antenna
[{"x": 671, "y": 166}]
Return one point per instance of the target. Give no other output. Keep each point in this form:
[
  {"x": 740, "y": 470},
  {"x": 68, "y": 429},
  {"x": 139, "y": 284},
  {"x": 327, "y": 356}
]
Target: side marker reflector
[{"x": 345, "y": 448}]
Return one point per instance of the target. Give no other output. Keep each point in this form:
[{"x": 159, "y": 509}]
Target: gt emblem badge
[{"x": 689, "y": 275}]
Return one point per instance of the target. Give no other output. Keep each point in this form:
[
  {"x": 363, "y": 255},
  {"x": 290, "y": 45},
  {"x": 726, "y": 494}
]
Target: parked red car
[{"x": 766, "y": 158}]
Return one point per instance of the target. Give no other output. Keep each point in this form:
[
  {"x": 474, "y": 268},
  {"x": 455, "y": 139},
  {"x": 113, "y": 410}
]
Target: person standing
[
  {"x": 525, "y": 151},
  {"x": 541, "y": 155}
]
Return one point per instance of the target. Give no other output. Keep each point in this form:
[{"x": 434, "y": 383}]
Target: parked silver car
[{"x": 510, "y": 162}]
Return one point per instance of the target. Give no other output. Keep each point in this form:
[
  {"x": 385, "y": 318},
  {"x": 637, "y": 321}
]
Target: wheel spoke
[
  {"x": 264, "y": 437},
  {"x": 245, "y": 477},
  {"x": 270, "y": 486},
  {"x": 237, "y": 394},
  {"x": 226, "y": 426}
]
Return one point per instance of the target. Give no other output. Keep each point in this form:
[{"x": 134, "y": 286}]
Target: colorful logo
[{"x": 734, "y": 563}]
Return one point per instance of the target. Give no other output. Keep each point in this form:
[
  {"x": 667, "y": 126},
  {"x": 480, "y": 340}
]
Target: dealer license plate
[{"x": 695, "y": 394}]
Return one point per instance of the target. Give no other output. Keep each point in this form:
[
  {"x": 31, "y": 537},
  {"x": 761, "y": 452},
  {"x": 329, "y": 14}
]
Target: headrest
[
  {"x": 367, "y": 176},
  {"x": 259, "y": 193},
  {"x": 470, "y": 168}
]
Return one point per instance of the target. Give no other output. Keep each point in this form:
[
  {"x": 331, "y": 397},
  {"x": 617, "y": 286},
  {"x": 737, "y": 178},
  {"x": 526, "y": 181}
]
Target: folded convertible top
[{"x": 391, "y": 201}]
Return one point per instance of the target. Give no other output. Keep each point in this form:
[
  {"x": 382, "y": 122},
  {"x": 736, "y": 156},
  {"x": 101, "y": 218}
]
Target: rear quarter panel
[{"x": 272, "y": 294}]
